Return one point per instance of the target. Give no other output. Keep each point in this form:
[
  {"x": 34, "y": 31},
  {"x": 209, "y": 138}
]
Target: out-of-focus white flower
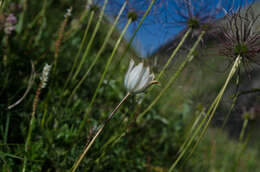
[
  {"x": 68, "y": 13},
  {"x": 45, "y": 75},
  {"x": 138, "y": 78}
]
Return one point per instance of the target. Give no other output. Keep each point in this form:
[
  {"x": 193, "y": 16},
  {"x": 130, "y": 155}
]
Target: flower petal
[
  {"x": 143, "y": 82},
  {"x": 131, "y": 65},
  {"x": 134, "y": 77}
]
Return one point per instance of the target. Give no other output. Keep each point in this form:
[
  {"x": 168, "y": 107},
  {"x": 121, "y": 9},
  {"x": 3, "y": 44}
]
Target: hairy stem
[{"x": 90, "y": 143}]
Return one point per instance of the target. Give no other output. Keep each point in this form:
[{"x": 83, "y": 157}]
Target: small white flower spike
[
  {"x": 138, "y": 78},
  {"x": 68, "y": 13},
  {"x": 45, "y": 75}
]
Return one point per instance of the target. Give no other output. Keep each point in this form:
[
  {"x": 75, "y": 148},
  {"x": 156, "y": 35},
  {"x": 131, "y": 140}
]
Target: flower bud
[{"x": 138, "y": 78}]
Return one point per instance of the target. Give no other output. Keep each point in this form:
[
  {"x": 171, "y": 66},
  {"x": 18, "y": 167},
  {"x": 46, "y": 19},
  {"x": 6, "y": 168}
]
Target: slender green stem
[
  {"x": 231, "y": 74},
  {"x": 194, "y": 126},
  {"x": 234, "y": 99},
  {"x": 80, "y": 48},
  {"x": 242, "y": 133},
  {"x": 174, "y": 53},
  {"x": 104, "y": 73},
  {"x": 173, "y": 78},
  {"x": 6, "y": 128},
  {"x": 136, "y": 30},
  {"x": 167, "y": 64},
  {"x": 28, "y": 142},
  {"x": 100, "y": 17},
  {"x": 139, "y": 25},
  {"x": 209, "y": 114},
  {"x": 21, "y": 17},
  {"x": 101, "y": 50},
  {"x": 89, "y": 144},
  {"x": 241, "y": 145}
]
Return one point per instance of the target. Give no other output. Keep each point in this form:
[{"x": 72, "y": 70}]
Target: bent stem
[
  {"x": 80, "y": 49},
  {"x": 188, "y": 59},
  {"x": 100, "y": 17},
  {"x": 209, "y": 114},
  {"x": 104, "y": 73},
  {"x": 99, "y": 52},
  {"x": 90, "y": 143}
]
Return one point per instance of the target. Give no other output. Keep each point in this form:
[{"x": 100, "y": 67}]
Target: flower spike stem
[
  {"x": 28, "y": 139},
  {"x": 174, "y": 53},
  {"x": 100, "y": 17},
  {"x": 104, "y": 74},
  {"x": 80, "y": 49},
  {"x": 90, "y": 143},
  {"x": 209, "y": 114},
  {"x": 188, "y": 59},
  {"x": 99, "y": 52}
]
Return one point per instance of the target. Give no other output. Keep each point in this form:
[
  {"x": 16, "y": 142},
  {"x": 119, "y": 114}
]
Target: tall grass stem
[
  {"x": 135, "y": 32},
  {"x": 80, "y": 49},
  {"x": 100, "y": 17},
  {"x": 188, "y": 59},
  {"x": 99, "y": 52},
  {"x": 174, "y": 53},
  {"x": 209, "y": 115},
  {"x": 104, "y": 73}
]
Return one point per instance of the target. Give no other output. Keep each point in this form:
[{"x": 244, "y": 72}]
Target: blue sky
[{"x": 156, "y": 32}]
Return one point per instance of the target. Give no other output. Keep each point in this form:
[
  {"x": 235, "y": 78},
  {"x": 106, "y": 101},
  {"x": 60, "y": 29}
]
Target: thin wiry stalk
[
  {"x": 241, "y": 145},
  {"x": 89, "y": 144},
  {"x": 242, "y": 133},
  {"x": 234, "y": 101},
  {"x": 188, "y": 59},
  {"x": 100, "y": 17},
  {"x": 136, "y": 30},
  {"x": 208, "y": 116},
  {"x": 174, "y": 53},
  {"x": 79, "y": 51},
  {"x": 104, "y": 73},
  {"x": 194, "y": 126},
  {"x": 21, "y": 17},
  {"x": 98, "y": 54}
]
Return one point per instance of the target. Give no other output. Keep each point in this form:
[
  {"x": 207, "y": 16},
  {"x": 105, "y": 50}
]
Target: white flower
[
  {"x": 45, "y": 74},
  {"x": 138, "y": 78},
  {"x": 68, "y": 13}
]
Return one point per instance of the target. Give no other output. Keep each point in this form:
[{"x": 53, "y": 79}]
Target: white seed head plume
[{"x": 45, "y": 75}]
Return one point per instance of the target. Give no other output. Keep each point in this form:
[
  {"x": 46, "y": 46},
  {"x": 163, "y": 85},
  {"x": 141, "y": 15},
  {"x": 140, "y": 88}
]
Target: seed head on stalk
[{"x": 240, "y": 36}]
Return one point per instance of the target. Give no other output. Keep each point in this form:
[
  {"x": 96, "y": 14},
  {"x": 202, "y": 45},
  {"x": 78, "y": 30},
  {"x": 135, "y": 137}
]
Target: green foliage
[{"x": 56, "y": 141}]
